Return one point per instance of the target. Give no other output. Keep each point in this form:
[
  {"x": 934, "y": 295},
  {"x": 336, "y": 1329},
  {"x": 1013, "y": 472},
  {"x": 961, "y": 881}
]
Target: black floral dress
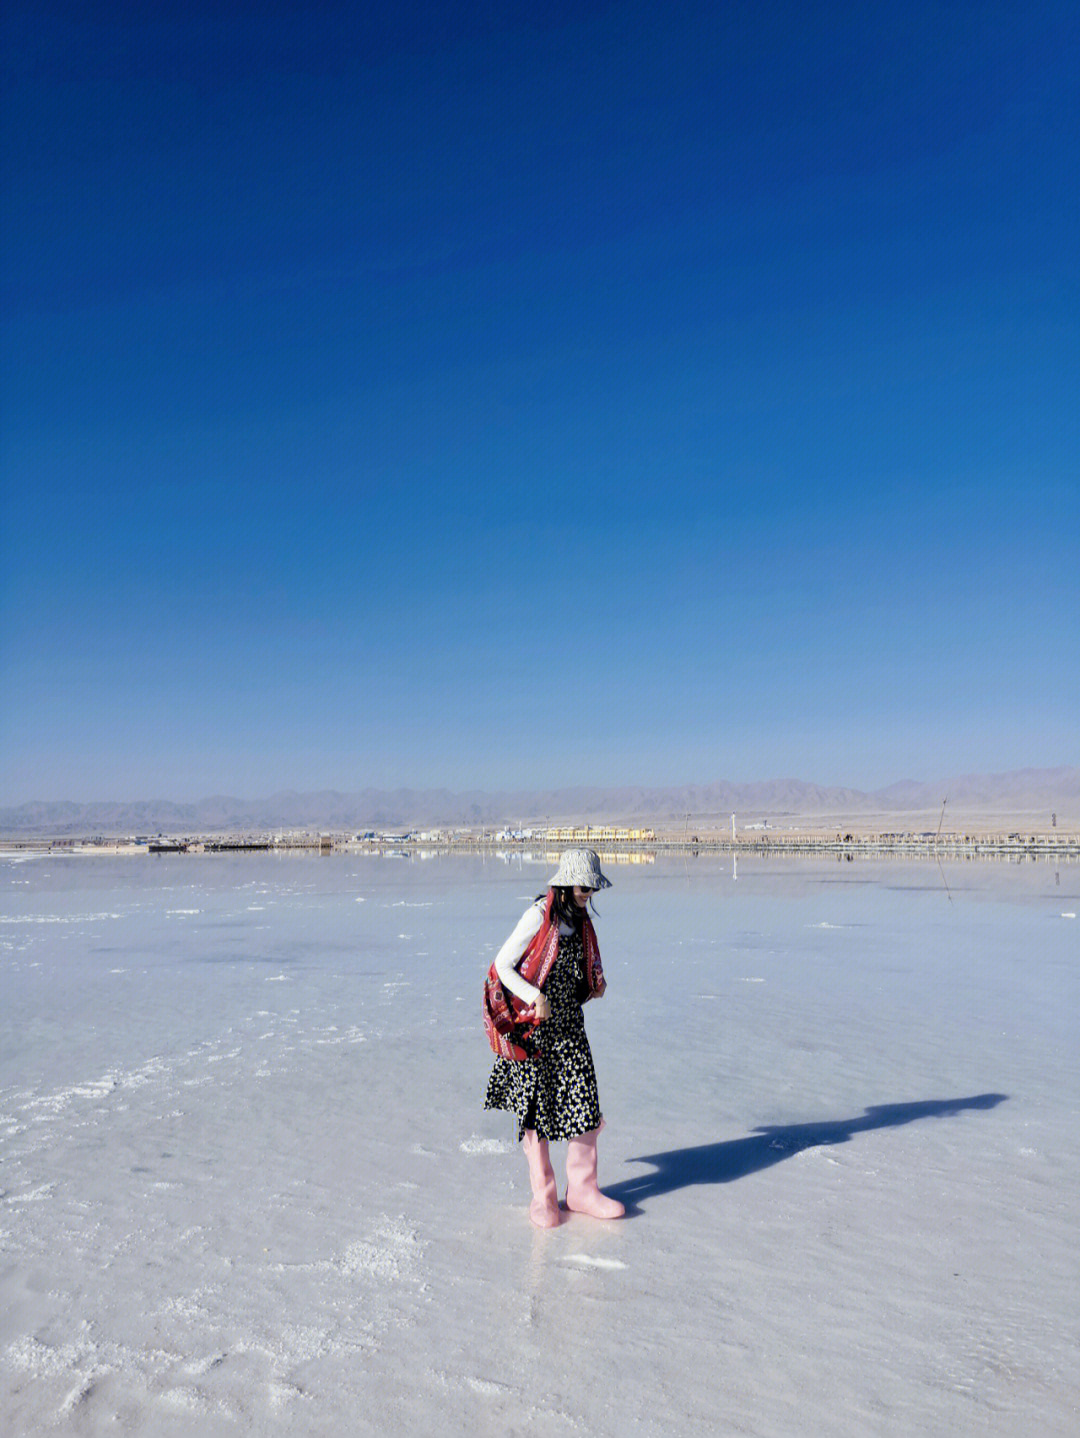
[{"x": 554, "y": 1090}]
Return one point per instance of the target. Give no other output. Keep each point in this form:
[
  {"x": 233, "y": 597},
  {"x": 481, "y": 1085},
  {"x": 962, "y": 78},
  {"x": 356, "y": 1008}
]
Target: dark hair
[{"x": 564, "y": 910}]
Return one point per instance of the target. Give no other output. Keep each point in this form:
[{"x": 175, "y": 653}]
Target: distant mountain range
[{"x": 1022, "y": 791}]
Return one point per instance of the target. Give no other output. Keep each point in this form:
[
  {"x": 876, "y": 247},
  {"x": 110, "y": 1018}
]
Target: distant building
[{"x": 600, "y": 834}]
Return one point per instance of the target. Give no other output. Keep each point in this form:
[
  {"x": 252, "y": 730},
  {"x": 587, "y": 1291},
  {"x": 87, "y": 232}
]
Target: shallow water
[{"x": 247, "y": 1179}]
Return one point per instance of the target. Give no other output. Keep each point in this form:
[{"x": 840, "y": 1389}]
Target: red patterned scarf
[{"x": 508, "y": 1018}]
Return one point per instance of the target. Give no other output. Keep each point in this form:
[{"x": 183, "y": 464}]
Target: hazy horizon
[
  {"x": 1020, "y": 792},
  {"x": 1009, "y": 778}
]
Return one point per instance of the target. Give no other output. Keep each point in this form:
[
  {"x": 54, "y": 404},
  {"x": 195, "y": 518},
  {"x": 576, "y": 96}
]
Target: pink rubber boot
[
  {"x": 582, "y": 1194},
  {"x": 544, "y": 1209}
]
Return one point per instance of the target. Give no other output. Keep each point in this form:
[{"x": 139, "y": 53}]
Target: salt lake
[{"x": 247, "y": 1183}]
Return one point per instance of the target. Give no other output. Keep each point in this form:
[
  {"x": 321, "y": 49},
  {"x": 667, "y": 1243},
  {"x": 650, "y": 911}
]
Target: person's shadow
[{"x": 737, "y": 1157}]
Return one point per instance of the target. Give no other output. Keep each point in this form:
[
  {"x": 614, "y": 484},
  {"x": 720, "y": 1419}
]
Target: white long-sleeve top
[{"x": 527, "y": 927}]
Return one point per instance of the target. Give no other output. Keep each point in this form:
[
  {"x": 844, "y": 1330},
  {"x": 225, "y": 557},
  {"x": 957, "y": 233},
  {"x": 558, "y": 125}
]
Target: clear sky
[{"x": 491, "y": 395}]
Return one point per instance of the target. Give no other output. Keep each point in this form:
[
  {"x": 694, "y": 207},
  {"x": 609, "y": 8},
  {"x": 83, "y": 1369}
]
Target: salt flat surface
[{"x": 247, "y": 1184}]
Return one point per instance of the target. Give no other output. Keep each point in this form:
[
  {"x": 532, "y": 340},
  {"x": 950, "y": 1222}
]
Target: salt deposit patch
[
  {"x": 99, "y": 1088},
  {"x": 55, "y": 1102},
  {"x": 477, "y": 1145},
  {"x": 390, "y": 1253},
  {"x": 187, "y": 1400},
  {"x": 77, "y": 1397},
  {"x": 282, "y": 1393},
  {"x": 55, "y": 918},
  {"x": 44, "y": 1359},
  {"x": 201, "y": 1366},
  {"x": 33, "y": 1195},
  {"x": 351, "y": 1035},
  {"x": 587, "y": 1260},
  {"x": 483, "y": 1387},
  {"x": 486, "y": 1387}
]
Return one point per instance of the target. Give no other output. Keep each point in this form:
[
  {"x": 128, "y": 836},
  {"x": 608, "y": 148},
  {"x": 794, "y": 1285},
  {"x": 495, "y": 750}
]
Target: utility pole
[{"x": 941, "y": 820}]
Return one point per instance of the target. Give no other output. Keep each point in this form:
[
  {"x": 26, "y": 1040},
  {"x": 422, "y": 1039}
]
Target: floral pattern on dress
[{"x": 554, "y": 1090}]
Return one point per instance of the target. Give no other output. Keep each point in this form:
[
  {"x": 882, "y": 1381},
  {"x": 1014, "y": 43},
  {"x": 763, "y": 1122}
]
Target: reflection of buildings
[
  {"x": 597, "y": 835},
  {"x": 611, "y": 856}
]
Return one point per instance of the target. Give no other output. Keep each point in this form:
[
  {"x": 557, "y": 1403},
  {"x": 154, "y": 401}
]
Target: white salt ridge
[
  {"x": 486, "y": 1387},
  {"x": 97, "y": 1089},
  {"x": 78, "y": 1395},
  {"x": 55, "y": 918},
  {"x": 34, "y": 1195},
  {"x": 588, "y": 1260}
]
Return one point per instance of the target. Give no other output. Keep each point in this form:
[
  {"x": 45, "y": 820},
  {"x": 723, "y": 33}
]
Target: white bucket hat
[{"x": 580, "y": 867}]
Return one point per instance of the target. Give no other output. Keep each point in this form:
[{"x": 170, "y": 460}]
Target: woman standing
[{"x": 546, "y": 970}]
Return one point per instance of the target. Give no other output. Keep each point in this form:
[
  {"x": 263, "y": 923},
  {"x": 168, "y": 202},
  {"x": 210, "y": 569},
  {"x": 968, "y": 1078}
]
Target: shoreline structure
[{"x": 632, "y": 846}]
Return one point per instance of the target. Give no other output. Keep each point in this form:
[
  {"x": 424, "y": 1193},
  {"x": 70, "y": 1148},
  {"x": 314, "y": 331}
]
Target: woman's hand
[
  {"x": 541, "y": 1008},
  {"x": 601, "y": 989}
]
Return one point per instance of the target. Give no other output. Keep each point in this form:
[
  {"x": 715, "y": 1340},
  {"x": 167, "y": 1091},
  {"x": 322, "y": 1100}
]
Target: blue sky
[{"x": 641, "y": 393}]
